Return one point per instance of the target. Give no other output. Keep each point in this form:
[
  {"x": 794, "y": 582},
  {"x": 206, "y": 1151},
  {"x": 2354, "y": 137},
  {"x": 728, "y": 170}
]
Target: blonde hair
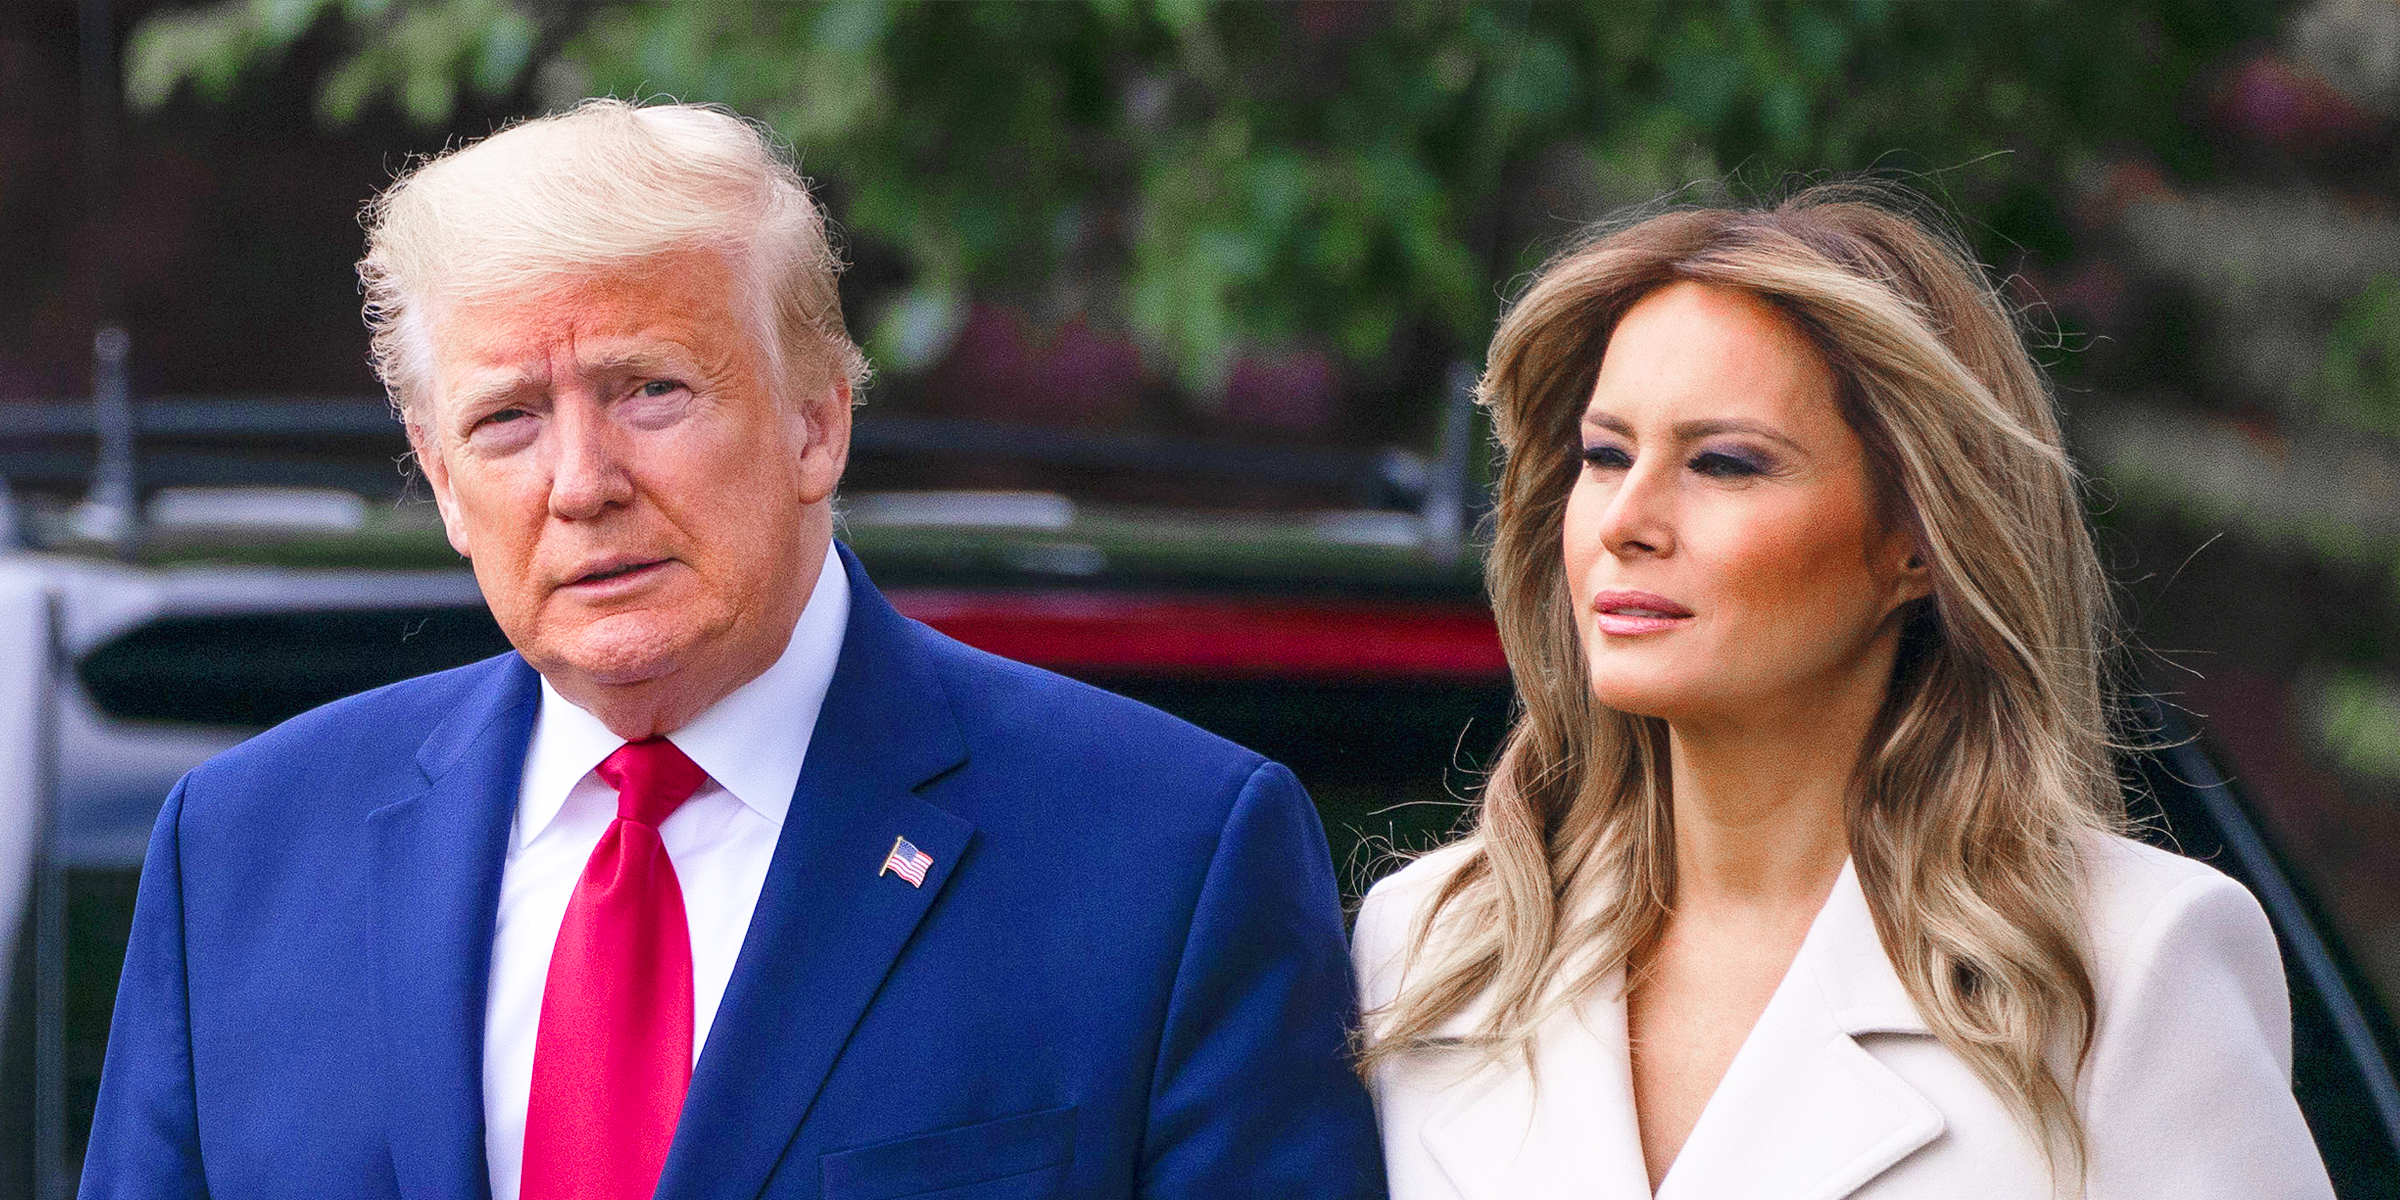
[
  {"x": 1989, "y": 766},
  {"x": 597, "y": 188}
]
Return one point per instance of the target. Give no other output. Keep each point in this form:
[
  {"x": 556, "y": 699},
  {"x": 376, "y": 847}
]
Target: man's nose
[
  {"x": 1640, "y": 517},
  {"x": 588, "y": 472}
]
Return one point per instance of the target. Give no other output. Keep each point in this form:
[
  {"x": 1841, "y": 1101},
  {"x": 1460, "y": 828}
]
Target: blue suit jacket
[{"x": 1124, "y": 974}]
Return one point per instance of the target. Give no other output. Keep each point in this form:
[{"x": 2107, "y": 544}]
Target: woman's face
[{"x": 1722, "y": 543}]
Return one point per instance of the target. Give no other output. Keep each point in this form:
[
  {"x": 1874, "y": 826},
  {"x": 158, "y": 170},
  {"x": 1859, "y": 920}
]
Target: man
[{"x": 731, "y": 881}]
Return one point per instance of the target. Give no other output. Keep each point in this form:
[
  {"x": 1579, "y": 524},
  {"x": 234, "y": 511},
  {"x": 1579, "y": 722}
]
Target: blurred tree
[
  {"x": 1353, "y": 179},
  {"x": 2359, "y": 383}
]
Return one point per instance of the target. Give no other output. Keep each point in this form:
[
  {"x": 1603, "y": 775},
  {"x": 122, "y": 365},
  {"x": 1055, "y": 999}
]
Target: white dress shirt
[{"x": 751, "y": 743}]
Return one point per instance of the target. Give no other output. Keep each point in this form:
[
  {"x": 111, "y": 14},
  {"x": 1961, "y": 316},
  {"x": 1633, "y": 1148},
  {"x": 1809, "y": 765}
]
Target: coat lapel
[
  {"x": 829, "y": 923},
  {"x": 1805, "y": 1111},
  {"x": 1564, "y": 1128},
  {"x": 437, "y": 859}
]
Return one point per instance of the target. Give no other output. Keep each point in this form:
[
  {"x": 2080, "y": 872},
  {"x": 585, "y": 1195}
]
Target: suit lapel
[
  {"x": 1805, "y": 1111},
  {"x": 437, "y": 861},
  {"x": 829, "y": 924},
  {"x": 1564, "y": 1128}
]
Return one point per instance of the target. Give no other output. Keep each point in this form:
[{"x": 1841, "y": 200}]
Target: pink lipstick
[{"x": 1621, "y": 612}]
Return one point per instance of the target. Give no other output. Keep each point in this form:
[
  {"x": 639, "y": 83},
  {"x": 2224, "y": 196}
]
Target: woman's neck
[
  {"x": 1761, "y": 800},
  {"x": 1757, "y": 823}
]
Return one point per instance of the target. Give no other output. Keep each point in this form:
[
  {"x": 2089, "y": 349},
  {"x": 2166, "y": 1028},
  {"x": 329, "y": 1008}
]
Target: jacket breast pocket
[{"x": 1023, "y": 1156}]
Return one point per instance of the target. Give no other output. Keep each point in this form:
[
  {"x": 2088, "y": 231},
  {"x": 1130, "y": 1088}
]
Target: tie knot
[{"x": 652, "y": 779}]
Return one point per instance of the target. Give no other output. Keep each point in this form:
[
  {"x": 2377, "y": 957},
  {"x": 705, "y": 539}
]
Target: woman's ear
[
  {"x": 1914, "y": 579},
  {"x": 1904, "y": 564}
]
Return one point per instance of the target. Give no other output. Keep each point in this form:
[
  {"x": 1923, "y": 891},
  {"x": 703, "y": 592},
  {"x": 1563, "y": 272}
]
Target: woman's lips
[{"x": 1623, "y": 613}]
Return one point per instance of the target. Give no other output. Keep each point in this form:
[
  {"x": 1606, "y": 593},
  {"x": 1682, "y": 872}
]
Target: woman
[{"x": 1800, "y": 873}]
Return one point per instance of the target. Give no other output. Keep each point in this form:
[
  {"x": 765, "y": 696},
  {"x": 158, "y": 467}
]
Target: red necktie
[{"x": 614, "y": 1052}]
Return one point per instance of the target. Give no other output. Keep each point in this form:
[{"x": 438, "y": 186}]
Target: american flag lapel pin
[{"x": 907, "y": 862}]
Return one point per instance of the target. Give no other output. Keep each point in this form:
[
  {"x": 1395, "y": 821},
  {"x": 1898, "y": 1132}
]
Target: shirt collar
[{"x": 751, "y": 743}]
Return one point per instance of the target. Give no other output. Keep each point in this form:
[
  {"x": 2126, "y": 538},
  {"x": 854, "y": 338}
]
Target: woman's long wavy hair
[{"x": 1989, "y": 766}]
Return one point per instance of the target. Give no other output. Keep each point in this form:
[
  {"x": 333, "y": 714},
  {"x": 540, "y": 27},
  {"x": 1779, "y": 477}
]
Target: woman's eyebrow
[
  {"x": 1697, "y": 428},
  {"x": 1693, "y": 430},
  {"x": 1608, "y": 421}
]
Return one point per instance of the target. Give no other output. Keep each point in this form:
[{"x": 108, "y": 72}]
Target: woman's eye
[
  {"x": 1612, "y": 458},
  {"x": 1720, "y": 465}
]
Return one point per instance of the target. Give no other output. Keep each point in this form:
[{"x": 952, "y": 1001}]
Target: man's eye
[
  {"x": 503, "y": 416},
  {"x": 659, "y": 387},
  {"x": 1721, "y": 465},
  {"x": 1607, "y": 457}
]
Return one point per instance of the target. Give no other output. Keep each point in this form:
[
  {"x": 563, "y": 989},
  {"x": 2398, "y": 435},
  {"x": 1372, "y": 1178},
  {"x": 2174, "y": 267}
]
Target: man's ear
[
  {"x": 825, "y": 433},
  {"x": 437, "y": 477}
]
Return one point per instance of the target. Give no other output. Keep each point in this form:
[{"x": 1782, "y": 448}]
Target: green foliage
[
  {"x": 417, "y": 54},
  {"x": 1219, "y": 176},
  {"x": 2359, "y": 383},
  {"x": 2358, "y": 722}
]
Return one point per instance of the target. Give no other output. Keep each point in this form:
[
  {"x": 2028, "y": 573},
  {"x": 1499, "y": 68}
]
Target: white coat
[{"x": 1840, "y": 1090}]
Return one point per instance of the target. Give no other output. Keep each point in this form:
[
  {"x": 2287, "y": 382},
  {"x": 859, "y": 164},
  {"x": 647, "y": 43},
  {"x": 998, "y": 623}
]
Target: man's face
[{"x": 642, "y": 511}]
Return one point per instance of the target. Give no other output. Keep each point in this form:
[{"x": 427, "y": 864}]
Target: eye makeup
[
  {"x": 1605, "y": 455},
  {"x": 1718, "y": 462},
  {"x": 1732, "y": 462}
]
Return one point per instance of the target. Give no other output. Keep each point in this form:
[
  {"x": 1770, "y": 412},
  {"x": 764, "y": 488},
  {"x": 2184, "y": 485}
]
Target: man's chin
[
  {"x": 611, "y": 656},
  {"x": 643, "y": 667}
]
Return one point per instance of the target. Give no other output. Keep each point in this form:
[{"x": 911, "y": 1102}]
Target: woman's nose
[{"x": 1639, "y": 518}]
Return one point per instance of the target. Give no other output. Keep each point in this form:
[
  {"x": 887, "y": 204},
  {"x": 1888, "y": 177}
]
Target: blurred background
[{"x": 1197, "y": 287}]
